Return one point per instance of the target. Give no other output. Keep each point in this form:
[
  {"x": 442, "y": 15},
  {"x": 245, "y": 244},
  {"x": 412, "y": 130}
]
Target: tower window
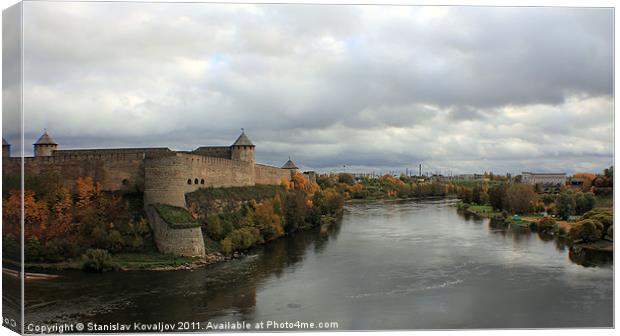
[
  {"x": 202, "y": 181},
  {"x": 196, "y": 181},
  {"x": 189, "y": 181}
]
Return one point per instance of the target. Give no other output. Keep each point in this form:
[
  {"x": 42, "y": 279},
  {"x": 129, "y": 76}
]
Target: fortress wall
[
  {"x": 113, "y": 170},
  {"x": 167, "y": 179},
  {"x": 127, "y": 173},
  {"x": 66, "y": 170},
  {"x": 215, "y": 151},
  {"x": 186, "y": 242},
  {"x": 270, "y": 175}
]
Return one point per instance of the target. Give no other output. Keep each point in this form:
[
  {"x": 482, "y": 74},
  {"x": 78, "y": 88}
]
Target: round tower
[
  {"x": 45, "y": 145},
  {"x": 243, "y": 149},
  {"x": 6, "y": 149}
]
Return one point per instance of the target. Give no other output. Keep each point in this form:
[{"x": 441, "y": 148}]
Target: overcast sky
[{"x": 460, "y": 89}]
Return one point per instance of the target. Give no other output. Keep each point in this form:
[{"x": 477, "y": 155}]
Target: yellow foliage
[
  {"x": 299, "y": 182},
  {"x": 285, "y": 183}
]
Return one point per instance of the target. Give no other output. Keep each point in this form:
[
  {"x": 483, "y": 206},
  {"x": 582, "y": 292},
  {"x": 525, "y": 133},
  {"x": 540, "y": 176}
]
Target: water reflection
[
  {"x": 225, "y": 291},
  {"x": 590, "y": 258},
  {"x": 583, "y": 257}
]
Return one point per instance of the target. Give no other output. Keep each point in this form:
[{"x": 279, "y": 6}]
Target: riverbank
[
  {"x": 128, "y": 262},
  {"x": 529, "y": 222},
  {"x": 397, "y": 199},
  {"x": 153, "y": 261}
]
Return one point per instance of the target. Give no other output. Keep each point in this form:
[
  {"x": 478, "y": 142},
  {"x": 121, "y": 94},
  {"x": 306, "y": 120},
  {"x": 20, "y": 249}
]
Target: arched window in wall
[
  {"x": 202, "y": 181},
  {"x": 196, "y": 181},
  {"x": 189, "y": 181}
]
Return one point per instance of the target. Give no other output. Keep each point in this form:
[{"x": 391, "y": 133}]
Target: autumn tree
[
  {"x": 299, "y": 182},
  {"x": 61, "y": 207},
  {"x": 267, "y": 220},
  {"x": 11, "y": 214},
  {"x": 519, "y": 198},
  {"x": 295, "y": 210}
]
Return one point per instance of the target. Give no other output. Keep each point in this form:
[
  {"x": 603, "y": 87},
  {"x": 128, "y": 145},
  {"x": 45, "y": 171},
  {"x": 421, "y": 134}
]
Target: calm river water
[{"x": 387, "y": 265}]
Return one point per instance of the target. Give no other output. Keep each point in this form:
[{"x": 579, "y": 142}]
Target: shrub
[
  {"x": 98, "y": 260},
  {"x": 586, "y": 230},
  {"x": 561, "y": 231},
  {"x": 215, "y": 229},
  {"x": 546, "y": 225},
  {"x": 346, "y": 179},
  {"x": 584, "y": 202},
  {"x": 361, "y": 194},
  {"x": 605, "y": 219},
  {"x": 610, "y": 232},
  {"x": 227, "y": 246},
  {"x": 244, "y": 238}
]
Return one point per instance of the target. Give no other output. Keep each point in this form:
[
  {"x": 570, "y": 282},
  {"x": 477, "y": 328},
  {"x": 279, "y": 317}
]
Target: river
[{"x": 387, "y": 265}]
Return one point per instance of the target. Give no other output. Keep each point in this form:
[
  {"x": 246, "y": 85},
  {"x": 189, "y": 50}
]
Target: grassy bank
[
  {"x": 176, "y": 217},
  {"x": 124, "y": 261}
]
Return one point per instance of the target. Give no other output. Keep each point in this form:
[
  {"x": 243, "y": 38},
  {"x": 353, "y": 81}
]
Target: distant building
[
  {"x": 547, "y": 182},
  {"x": 576, "y": 182},
  {"x": 468, "y": 177}
]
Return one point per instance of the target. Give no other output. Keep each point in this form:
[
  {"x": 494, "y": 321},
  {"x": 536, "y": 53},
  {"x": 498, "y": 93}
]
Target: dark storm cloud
[{"x": 464, "y": 88}]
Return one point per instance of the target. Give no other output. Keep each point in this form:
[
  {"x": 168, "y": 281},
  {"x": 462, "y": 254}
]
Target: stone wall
[
  {"x": 214, "y": 151},
  {"x": 270, "y": 175},
  {"x": 243, "y": 153},
  {"x": 168, "y": 179},
  {"x": 186, "y": 242},
  {"x": 115, "y": 169}
]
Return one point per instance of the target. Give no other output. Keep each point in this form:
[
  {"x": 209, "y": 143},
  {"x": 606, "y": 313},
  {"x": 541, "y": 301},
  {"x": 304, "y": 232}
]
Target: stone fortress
[{"x": 163, "y": 175}]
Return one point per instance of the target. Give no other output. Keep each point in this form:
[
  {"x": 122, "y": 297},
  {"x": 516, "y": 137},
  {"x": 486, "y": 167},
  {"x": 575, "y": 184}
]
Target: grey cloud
[{"x": 371, "y": 86}]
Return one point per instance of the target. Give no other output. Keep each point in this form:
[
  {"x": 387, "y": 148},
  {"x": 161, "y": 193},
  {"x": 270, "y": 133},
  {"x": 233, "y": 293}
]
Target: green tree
[
  {"x": 565, "y": 205},
  {"x": 346, "y": 178},
  {"x": 475, "y": 194},
  {"x": 497, "y": 196},
  {"x": 584, "y": 202},
  {"x": 214, "y": 227}
]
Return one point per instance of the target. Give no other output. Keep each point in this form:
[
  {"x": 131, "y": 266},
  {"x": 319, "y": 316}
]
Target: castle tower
[
  {"x": 6, "y": 149},
  {"x": 291, "y": 166},
  {"x": 243, "y": 149},
  {"x": 45, "y": 145}
]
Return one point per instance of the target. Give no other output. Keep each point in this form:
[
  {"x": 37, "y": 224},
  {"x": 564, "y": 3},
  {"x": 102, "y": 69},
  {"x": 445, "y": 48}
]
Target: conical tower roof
[
  {"x": 4, "y": 143},
  {"x": 289, "y": 165},
  {"x": 243, "y": 140},
  {"x": 45, "y": 139}
]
